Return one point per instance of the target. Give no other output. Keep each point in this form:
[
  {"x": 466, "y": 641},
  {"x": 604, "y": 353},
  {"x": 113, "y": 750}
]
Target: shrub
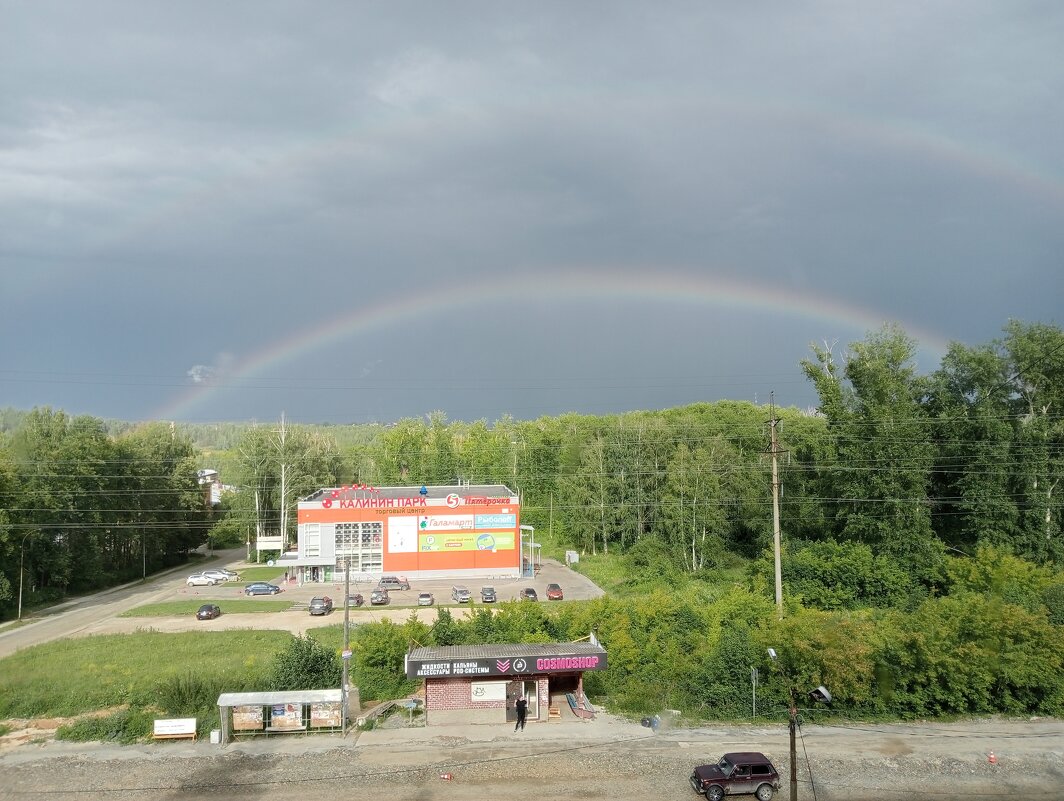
[
  {"x": 125, "y": 726},
  {"x": 305, "y": 664}
]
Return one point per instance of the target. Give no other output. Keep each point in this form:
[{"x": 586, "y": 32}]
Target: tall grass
[{"x": 69, "y": 677}]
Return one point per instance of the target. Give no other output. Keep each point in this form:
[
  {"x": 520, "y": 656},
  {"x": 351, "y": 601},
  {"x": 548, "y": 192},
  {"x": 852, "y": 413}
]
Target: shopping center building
[{"x": 417, "y": 532}]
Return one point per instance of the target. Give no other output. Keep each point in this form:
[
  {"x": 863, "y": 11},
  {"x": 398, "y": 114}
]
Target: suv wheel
[
  {"x": 765, "y": 792},
  {"x": 714, "y": 793}
]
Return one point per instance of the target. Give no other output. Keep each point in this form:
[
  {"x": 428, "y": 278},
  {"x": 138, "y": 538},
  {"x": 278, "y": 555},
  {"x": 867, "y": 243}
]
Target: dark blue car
[{"x": 261, "y": 588}]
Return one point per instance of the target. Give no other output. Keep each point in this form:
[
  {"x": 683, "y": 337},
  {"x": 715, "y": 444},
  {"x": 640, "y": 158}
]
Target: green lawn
[
  {"x": 68, "y": 677},
  {"x": 270, "y": 574},
  {"x": 231, "y": 606}
]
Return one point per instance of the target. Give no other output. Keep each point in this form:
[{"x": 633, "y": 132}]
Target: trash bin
[{"x": 216, "y": 736}]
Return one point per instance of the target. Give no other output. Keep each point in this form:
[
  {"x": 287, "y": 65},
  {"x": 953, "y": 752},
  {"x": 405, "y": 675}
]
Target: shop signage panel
[
  {"x": 507, "y": 666},
  {"x": 496, "y": 521},
  {"x": 439, "y": 542},
  {"x": 445, "y": 523}
]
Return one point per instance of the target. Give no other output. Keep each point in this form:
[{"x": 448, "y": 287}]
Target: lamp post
[
  {"x": 820, "y": 694},
  {"x": 21, "y": 562}
]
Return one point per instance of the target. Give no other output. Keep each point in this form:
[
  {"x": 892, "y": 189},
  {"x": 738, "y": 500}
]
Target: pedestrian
[{"x": 522, "y": 709}]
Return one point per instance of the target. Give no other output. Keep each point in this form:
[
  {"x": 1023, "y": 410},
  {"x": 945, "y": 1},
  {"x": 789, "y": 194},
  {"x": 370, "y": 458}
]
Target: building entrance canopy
[{"x": 504, "y": 660}]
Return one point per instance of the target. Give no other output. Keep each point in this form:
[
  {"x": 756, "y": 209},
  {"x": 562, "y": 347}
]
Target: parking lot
[{"x": 574, "y": 585}]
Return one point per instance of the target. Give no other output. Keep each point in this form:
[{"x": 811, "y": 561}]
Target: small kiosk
[{"x": 481, "y": 683}]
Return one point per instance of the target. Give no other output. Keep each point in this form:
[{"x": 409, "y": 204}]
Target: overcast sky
[{"x": 364, "y": 211}]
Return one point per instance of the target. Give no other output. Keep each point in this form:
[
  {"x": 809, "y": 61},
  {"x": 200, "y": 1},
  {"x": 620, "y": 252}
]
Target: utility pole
[
  {"x": 774, "y": 450},
  {"x": 347, "y": 645},
  {"x": 284, "y": 492}
]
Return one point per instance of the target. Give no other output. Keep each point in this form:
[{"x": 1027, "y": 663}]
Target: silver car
[{"x": 201, "y": 580}]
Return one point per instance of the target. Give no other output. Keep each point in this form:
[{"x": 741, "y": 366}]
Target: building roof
[
  {"x": 357, "y": 491},
  {"x": 506, "y": 651}
]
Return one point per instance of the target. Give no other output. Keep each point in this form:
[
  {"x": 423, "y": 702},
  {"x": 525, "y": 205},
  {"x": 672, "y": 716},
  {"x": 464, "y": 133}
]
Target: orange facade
[{"x": 474, "y": 530}]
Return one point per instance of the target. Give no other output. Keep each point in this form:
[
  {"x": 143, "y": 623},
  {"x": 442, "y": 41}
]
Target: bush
[
  {"x": 305, "y": 664},
  {"x": 192, "y": 694},
  {"x": 126, "y": 726},
  {"x": 846, "y": 575}
]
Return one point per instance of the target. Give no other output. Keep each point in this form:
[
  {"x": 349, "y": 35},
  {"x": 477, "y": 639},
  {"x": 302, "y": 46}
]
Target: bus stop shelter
[{"x": 286, "y": 712}]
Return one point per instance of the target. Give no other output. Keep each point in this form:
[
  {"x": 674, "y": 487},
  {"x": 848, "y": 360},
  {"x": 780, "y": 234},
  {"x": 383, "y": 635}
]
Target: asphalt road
[{"x": 99, "y": 613}]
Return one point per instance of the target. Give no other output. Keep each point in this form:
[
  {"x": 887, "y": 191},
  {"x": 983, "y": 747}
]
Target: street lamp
[
  {"x": 21, "y": 561},
  {"x": 820, "y": 695}
]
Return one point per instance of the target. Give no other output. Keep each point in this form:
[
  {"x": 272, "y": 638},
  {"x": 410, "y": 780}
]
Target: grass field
[
  {"x": 68, "y": 677},
  {"x": 188, "y": 608},
  {"x": 270, "y": 574}
]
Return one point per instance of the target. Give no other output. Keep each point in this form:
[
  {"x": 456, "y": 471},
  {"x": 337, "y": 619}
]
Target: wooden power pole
[{"x": 774, "y": 450}]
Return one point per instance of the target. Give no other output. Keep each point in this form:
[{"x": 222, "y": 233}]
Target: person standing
[{"x": 522, "y": 710}]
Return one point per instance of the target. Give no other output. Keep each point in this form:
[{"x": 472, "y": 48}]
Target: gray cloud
[{"x": 181, "y": 179}]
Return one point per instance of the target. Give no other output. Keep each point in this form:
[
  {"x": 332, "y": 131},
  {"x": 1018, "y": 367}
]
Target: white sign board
[
  {"x": 175, "y": 727},
  {"x": 402, "y": 534},
  {"x": 488, "y": 690}
]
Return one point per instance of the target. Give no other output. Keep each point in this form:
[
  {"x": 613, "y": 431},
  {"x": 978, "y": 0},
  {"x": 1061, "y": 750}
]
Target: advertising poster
[
  {"x": 466, "y": 541},
  {"x": 247, "y": 718},
  {"x": 325, "y": 714},
  {"x": 286, "y": 716}
]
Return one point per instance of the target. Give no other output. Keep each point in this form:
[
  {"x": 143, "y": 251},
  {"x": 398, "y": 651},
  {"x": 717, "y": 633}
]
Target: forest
[{"x": 920, "y": 515}]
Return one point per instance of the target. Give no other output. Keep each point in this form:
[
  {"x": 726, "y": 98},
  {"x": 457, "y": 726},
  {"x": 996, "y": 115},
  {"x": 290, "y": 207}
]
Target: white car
[
  {"x": 201, "y": 580},
  {"x": 218, "y": 575}
]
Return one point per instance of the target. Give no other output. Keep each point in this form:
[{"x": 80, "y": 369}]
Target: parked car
[
  {"x": 355, "y": 600},
  {"x": 425, "y": 599},
  {"x": 217, "y": 575},
  {"x": 461, "y": 594},
  {"x": 379, "y": 597},
  {"x": 261, "y": 588},
  {"x": 554, "y": 592},
  {"x": 201, "y": 580},
  {"x": 208, "y": 612},
  {"x": 528, "y": 594},
  {"x": 233, "y": 576},
  {"x": 393, "y": 583},
  {"x": 487, "y": 595},
  {"x": 736, "y": 774},
  {"x": 321, "y": 605}
]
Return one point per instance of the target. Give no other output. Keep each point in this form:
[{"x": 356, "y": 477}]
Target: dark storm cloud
[{"x": 184, "y": 184}]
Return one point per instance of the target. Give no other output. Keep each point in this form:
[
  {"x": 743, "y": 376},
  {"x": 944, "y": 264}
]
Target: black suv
[
  {"x": 735, "y": 774},
  {"x": 322, "y": 605}
]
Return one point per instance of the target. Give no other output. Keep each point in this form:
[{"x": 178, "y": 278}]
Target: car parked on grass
[
  {"x": 528, "y": 594},
  {"x": 322, "y": 605},
  {"x": 208, "y": 612},
  {"x": 554, "y": 592},
  {"x": 736, "y": 774},
  {"x": 487, "y": 595},
  {"x": 425, "y": 599},
  {"x": 393, "y": 583},
  {"x": 261, "y": 588},
  {"x": 201, "y": 580},
  {"x": 217, "y": 575},
  {"x": 460, "y": 594},
  {"x": 379, "y": 597}
]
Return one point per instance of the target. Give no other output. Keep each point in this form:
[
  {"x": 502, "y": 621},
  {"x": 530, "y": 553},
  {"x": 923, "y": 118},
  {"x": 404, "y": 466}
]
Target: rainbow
[{"x": 650, "y": 286}]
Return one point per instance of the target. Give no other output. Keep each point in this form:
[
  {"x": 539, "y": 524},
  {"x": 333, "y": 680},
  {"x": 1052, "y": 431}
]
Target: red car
[{"x": 554, "y": 592}]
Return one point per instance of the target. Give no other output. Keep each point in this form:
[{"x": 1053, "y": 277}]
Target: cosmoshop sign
[{"x": 506, "y": 666}]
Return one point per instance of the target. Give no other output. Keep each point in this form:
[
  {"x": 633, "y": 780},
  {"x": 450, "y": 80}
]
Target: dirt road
[{"x": 608, "y": 758}]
